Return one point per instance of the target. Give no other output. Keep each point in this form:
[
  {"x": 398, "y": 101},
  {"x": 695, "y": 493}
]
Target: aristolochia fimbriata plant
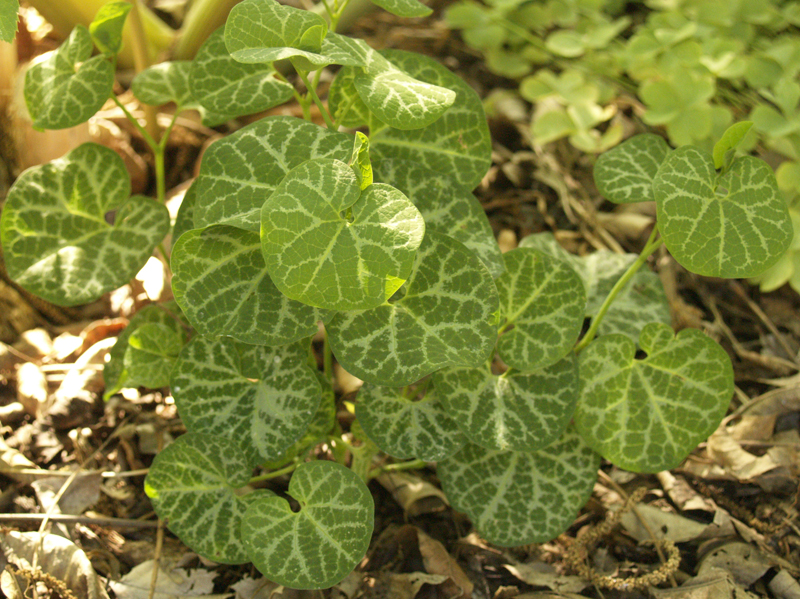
[{"x": 470, "y": 358}]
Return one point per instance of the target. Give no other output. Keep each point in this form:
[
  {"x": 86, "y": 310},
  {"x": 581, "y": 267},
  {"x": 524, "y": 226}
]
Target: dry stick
[
  {"x": 156, "y": 558},
  {"x": 67, "y": 473},
  {"x": 71, "y": 519}
]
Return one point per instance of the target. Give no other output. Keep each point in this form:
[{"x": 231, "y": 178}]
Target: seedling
[{"x": 471, "y": 358}]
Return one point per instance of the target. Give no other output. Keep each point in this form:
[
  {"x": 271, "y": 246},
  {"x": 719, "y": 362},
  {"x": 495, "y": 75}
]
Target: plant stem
[
  {"x": 327, "y": 359},
  {"x": 141, "y": 62},
  {"x": 312, "y": 92},
  {"x": 274, "y": 474},
  {"x": 651, "y": 246},
  {"x": 147, "y": 137},
  {"x": 409, "y": 465}
]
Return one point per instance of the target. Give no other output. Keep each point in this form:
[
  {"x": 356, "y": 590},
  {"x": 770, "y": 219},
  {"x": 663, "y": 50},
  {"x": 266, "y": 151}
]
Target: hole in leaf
[
  {"x": 640, "y": 354},
  {"x": 110, "y": 216}
]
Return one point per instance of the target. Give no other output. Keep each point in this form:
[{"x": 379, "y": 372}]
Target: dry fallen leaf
[
  {"x": 714, "y": 584},
  {"x": 391, "y": 585},
  {"x": 665, "y": 525},
  {"x": 415, "y": 496},
  {"x": 745, "y": 563},
  {"x": 438, "y": 561},
  {"x": 540, "y": 574},
  {"x": 173, "y": 584}
]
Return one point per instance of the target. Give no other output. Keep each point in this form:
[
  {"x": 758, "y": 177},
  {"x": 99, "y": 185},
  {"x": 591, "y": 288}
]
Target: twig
[
  {"x": 72, "y": 519},
  {"x": 156, "y": 558}
]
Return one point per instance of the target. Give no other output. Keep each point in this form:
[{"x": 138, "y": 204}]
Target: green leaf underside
[
  {"x": 346, "y": 106},
  {"x": 729, "y": 140},
  {"x": 227, "y": 88},
  {"x": 398, "y": 99},
  {"x": 647, "y": 415},
  {"x": 404, "y": 8},
  {"x": 445, "y": 208},
  {"x": 640, "y": 302},
  {"x": 221, "y": 282},
  {"x": 106, "y": 28},
  {"x": 458, "y": 143},
  {"x": 263, "y": 397},
  {"x": 59, "y": 93},
  {"x": 517, "y": 498},
  {"x": 9, "y": 10},
  {"x": 405, "y": 428},
  {"x": 447, "y": 317},
  {"x": 184, "y": 221},
  {"x": 318, "y": 546},
  {"x": 514, "y": 411},
  {"x": 152, "y": 350},
  {"x": 114, "y": 373},
  {"x": 191, "y": 485},
  {"x": 544, "y": 299},
  {"x": 315, "y": 255},
  {"x": 56, "y": 240},
  {"x": 165, "y": 82},
  {"x": 625, "y": 173},
  {"x": 241, "y": 170},
  {"x": 734, "y": 225}
]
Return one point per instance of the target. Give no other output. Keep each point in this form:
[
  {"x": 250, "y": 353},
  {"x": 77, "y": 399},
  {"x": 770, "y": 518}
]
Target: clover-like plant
[{"x": 470, "y": 358}]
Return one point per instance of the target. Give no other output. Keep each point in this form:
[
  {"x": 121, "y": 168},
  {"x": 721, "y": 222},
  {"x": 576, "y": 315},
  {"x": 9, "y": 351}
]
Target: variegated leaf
[{"x": 625, "y": 173}]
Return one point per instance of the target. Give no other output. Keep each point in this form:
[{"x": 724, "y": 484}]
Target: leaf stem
[
  {"x": 327, "y": 359},
  {"x": 651, "y": 246},
  {"x": 398, "y": 466},
  {"x": 142, "y": 61},
  {"x": 312, "y": 92},
  {"x": 147, "y": 137},
  {"x": 274, "y": 474}
]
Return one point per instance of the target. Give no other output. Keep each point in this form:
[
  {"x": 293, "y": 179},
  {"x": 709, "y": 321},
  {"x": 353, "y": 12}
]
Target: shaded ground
[{"x": 731, "y": 507}]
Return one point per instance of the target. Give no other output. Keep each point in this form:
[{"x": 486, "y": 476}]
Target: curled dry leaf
[
  {"x": 713, "y": 584},
  {"x": 746, "y": 564},
  {"x": 541, "y": 574},
  {"x": 401, "y": 586},
  {"x": 742, "y": 464},
  {"x": 438, "y": 561},
  {"x": 414, "y": 495},
  {"x": 174, "y": 584}
]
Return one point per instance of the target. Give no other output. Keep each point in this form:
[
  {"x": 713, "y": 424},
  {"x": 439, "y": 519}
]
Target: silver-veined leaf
[
  {"x": 9, "y": 10},
  {"x": 152, "y": 350},
  {"x": 404, "y": 8},
  {"x": 625, "y": 173},
  {"x": 106, "y": 27},
  {"x": 165, "y": 82}
]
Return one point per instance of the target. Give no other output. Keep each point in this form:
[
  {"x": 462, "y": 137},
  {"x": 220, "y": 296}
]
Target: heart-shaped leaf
[
  {"x": 8, "y": 20},
  {"x": 106, "y": 27},
  {"x": 152, "y": 350},
  {"x": 445, "y": 207},
  {"x": 543, "y": 301},
  {"x": 263, "y": 397},
  {"x": 731, "y": 225},
  {"x": 513, "y": 411},
  {"x": 184, "y": 221},
  {"x": 69, "y": 86},
  {"x": 192, "y": 484},
  {"x": 241, "y": 170},
  {"x": 519, "y": 498},
  {"x": 114, "y": 373},
  {"x": 346, "y": 106},
  {"x": 227, "y": 88},
  {"x": 328, "y": 244},
  {"x": 639, "y": 303},
  {"x": 404, "y": 8},
  {"x": 625, "y": 173},
  {"x": 445, "y": 315},
  {"x": 646, "y": 415},
  {"x": 319, "y": 545},
  {"x": 398, "y": 99},
  {"x": 221, "y": 282},
  {"x": 458, "y": 143},
  {"x": 406, "y": 427},
  {"x": 165, "y": 82},
  {"x": 56, "y": 239}
]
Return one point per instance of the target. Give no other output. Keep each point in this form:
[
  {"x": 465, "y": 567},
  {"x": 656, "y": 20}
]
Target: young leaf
[
  {"x": 729, "y": 140},
  {"x": 732, "y": 225},
  {"x": 625, "y": 173},
  {"x": 458, "y": 143},
  {"x": 404, "y": 8},
  {"x": 241, "y": 170},
  {"x": 221, "y": 282},
  {"x": 646, "y": 415},
  {"x": 360, "y": 162},
  {"x": 165, "y": 82},
  {"x": 263, "y": 397},
  {"x": 152, "y": 350},
  {"x": 69, "y": 86},
  {"x": 319, "y": 545},
  {"x": 9, "y": 16},
  {"x": 407, "y": 428},
  {"x": 191, "y": 484},
  {"x": 445, "y": 207},
  {"x": 398, "y": 99},
  {"x": 346, "y": 106},
  {"x": 543, "y": 302},
  {"x": 517, "y": 498},
  {"x": 329, "y": 244},
  {"x": 114, "y": 373},
  {"x": 227, "y": 88},
  {"x": 513, "y": 411},
  {"x": 56, "y": 239},
  {"x": 106, "y": 28},
  {"x": 444, "y": 315}
]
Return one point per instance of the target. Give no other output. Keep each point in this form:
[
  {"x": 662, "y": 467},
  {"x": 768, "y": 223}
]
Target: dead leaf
[
  {"x": 665, "y": 525},
  {"x": 540, "y": 574},
  {"x": 438, "y": 561},
  {"x": 11, "y": 460},
  {"x": 82, "y": 493},
  {"x": 784, "y": 586},
  {"x": 176, "y": 583},
  {"x": 682, "y": 494},
  {"x": 415, "y": 496},
  {"x": 349, "y": 587},
  {"x": 745, "y": 563},
  {"x": 31, "y": 388},
  {"x": 59, "y": 557},
  {"x": 714, "y": 584},
  {"x": 391, "y": 585},
  {"x": 725, "y": 450},
  {"x": 10, "y": 586}
]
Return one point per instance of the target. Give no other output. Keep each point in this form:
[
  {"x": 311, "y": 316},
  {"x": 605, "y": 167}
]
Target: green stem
[
  {"x": 147, "y": 137},
  {"x": 327, "y": 359},
  {"x": 312, "y": 92},
  {"x": 651, "y": 246},
  {"x": 275, "y": 474},
  {"x": 409, "y": 465}
]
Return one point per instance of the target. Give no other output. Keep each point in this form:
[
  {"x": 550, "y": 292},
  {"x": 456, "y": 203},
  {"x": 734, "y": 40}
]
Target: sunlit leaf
[
  {"x": 404, "y": 8},
  {"x": 729, "y": 141},
  {"x": 106, "y": 28},
  {"x": 165, "y": 82},
  {"x": 625, "y": 173},
  {"x": 152, "y": 350}
]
